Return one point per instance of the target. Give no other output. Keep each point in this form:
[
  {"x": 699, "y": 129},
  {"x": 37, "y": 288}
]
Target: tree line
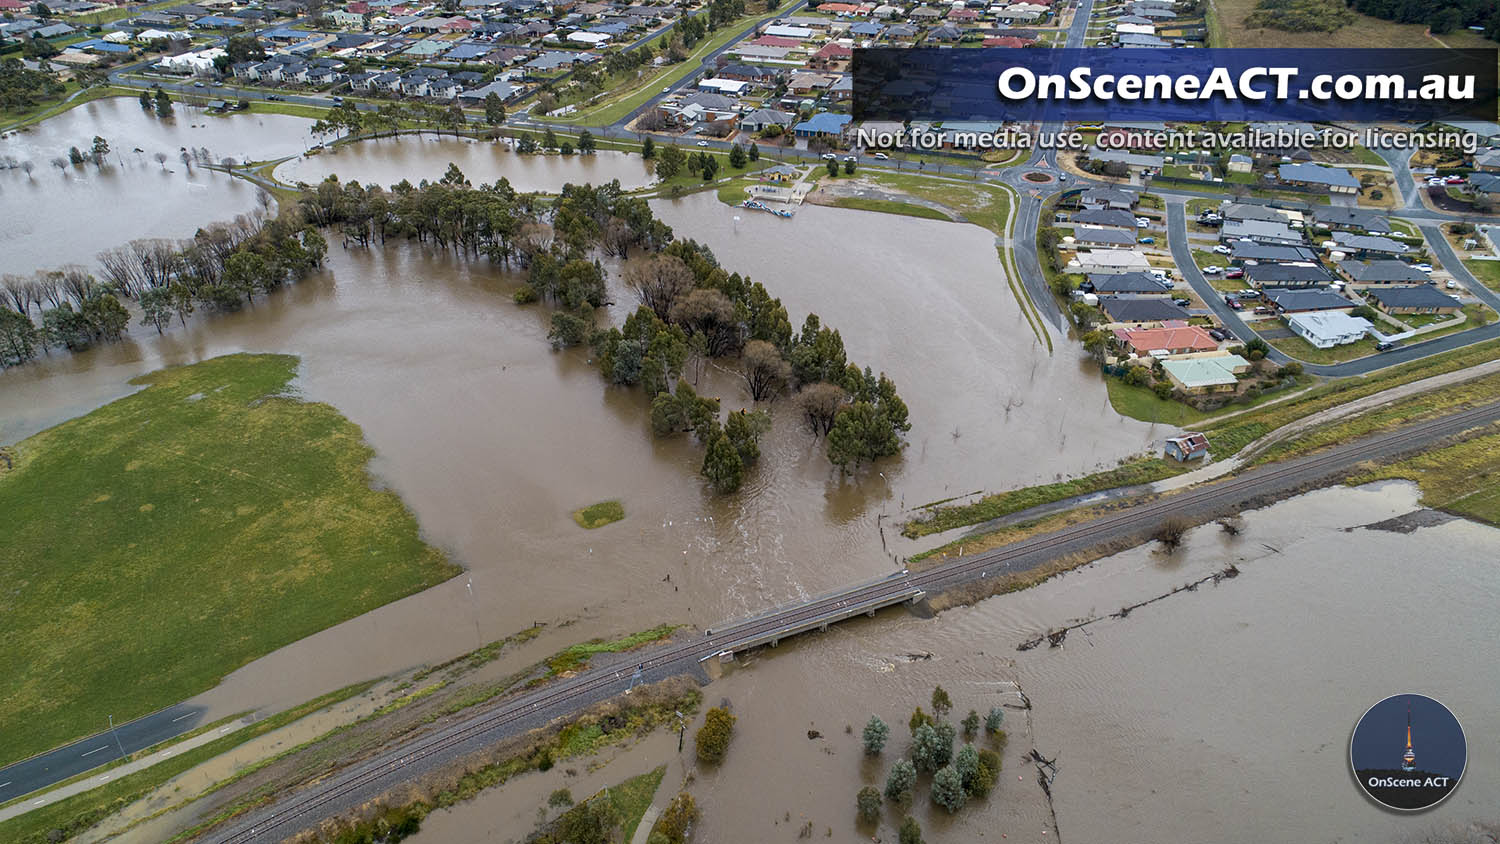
[
  {"x": 221, "y": 268},
  {"x": 690, "y": 311}
]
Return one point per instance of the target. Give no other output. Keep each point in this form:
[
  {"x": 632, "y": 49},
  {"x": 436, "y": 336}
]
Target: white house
[{"x": 1326, "y": 329}]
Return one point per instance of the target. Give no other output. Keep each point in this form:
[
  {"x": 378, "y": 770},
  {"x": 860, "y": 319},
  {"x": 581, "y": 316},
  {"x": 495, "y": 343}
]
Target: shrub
[
  {"x": 867, "y": 804},
  {"x": 712, "y": 739},
  {"x": 1171, "y": 530},
  {"x": 876, "y": 733}
]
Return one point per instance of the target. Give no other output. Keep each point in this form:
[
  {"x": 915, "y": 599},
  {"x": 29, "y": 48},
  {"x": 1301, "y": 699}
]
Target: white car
[
  {"x": 1142, "y": 222},
  {"x": 1452, "y": 285},
  {"x": 1222, "y": 249},
  {"x": 880, "y": 156},
  {"x": 703, "y": 143},
  {"x": 1212, "y": 270},
  {"x": 1425, "y": 268},
  {"x": 1436, "y": 182},
  {"x": 850, "y": 158},
  {"x": 828, "y": 156}
]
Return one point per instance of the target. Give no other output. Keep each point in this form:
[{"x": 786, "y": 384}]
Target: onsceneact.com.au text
[{"x": 1255, "y": 83}]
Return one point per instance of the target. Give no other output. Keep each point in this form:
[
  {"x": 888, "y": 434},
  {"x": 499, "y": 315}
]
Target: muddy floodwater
[
  {"x": 493, "y": 439},
  {"x": 57, "y": 216},
  {"x": 1221, "y": 714},
  {"x": 386, "y": 161}
]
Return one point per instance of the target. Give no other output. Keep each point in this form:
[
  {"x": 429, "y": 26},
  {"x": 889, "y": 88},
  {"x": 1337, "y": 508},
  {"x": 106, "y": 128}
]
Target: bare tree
[
  {"x": 658, "y": 281},
  {"x": 77, "y": 283},
  {"x": 14, "y": 288},
  {"x": 820, "y": 404},
  {"x": 28, "y": 167},
  {"x": 765, "y": 371},
  {"x": 161, "y": 158}
]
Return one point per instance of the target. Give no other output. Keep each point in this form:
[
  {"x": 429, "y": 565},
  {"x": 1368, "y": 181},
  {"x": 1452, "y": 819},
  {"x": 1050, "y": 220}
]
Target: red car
[{"x": 1236, "y": 273}]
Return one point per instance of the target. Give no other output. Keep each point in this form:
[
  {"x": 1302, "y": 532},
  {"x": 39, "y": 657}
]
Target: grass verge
[
  {"x": 168, "y": 538},
  {"x": 1488, "y": 272},
  {"x": 1462, "y": 478}
]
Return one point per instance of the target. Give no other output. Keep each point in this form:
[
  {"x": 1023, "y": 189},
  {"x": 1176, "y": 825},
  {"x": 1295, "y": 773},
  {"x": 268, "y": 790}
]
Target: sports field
[{"x": 165, "y": 539}]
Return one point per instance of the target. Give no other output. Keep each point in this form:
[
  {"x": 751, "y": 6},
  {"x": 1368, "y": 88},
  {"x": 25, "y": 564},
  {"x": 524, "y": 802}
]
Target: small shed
[{"x": 1190, "y": 446}]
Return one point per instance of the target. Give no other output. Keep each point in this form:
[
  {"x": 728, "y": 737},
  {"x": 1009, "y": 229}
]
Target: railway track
[{"x": 299, "y": 809}]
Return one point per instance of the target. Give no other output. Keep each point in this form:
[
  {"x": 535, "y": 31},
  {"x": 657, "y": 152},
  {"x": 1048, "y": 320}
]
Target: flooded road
[
  {"x": 57, "y": 216},
  {"x": 386, "y": 161},
  {"x": 526, "y": 435},
  {"x": 1220, "y": 715}
]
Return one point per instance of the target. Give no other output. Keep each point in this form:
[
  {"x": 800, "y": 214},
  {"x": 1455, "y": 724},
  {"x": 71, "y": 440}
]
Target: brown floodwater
[
  {"x": 386, "y": 161},
  {"x": 525, "y": 435},
  {"x": 1221, "y": 714},
  {"x": 54, "y": 217}
]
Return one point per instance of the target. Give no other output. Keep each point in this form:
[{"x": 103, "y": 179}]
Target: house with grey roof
[
  {"x": 1338, "y": 217},
  {"x": 1287, "y": 275},
  {"x": 1422, "y": 299},
  {"x": 1360, "y": 245},
  {"x": 1382, "y": 272},
  {"x": 1288, "y": 300},
  {"x": 1239, "y": 211},
  {"x": 1134, "y": 283},
  {"x": 1318, "y": 177},
  {"x": 1245, "y": 251},
  {"x": 1105, "y": 219},
  {"x": 1108, "y": 198},
  {"x": 1103, "y": 238},
  {"x": 758, "y": 120},
  {"x": 1139, "y": 310},
  {"x": 1262, "y": 231}
]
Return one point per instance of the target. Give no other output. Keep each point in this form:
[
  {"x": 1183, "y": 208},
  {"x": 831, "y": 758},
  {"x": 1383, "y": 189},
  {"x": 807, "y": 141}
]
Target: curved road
[{"x": 415, "y": 757}]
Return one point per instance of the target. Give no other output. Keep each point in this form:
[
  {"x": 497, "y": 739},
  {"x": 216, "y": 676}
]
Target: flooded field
[
  {"x": 57, "y": 216},
  {"x": 386, "y": 161},
  {"x": 1222, "y": 714},
  {"x": 527, "y": 435}
]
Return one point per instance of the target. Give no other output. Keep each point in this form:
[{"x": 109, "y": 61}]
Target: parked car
[
  {"x": 1436, "y": 181},
  {"x": 850, "y": 158},
  {"x": 1147, "y": 240},
  {"x": 275, "y": 98},
  {"x": 197, "y": 84},
  {"x": 1142, "y": 222},
  {"x": 1217, "y": 334},
  {"x": 880, "y": 156},
  {"x": 1222, "y": 249},
  {"x": 1425, "y": 268},
  {"x": 1386, "y": 345},
  {"x": 1454, "y": 180},
  {"x": 703, "y": 143},
  {"x": 1236, "y": 305},
  {"x": 828, "y": 156},
  {"x": 1452, "y": 285},
  {"x": 1234, "y": 272},
  {"x": 1182, "y": 303},
  {"x": 1212, "y": 270}
]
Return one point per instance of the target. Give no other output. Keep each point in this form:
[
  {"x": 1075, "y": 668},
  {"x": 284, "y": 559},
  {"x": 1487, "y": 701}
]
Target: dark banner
[{"x": 1189, "y": 85}]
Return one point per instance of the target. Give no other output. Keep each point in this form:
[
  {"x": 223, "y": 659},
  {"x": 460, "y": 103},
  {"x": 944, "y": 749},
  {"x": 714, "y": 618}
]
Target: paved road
[
  {"x": 413, "y": 758},
  {"x": 68, "y": 761}
]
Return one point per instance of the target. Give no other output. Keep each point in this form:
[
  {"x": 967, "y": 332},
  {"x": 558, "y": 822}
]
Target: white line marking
[
  {"x": 97, "y": 749},
  {"x": 180, "y": 717},
  {"x": 4, "y": 784}
]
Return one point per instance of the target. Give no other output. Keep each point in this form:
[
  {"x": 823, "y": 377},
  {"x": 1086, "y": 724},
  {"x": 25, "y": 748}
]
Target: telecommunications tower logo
[{"x": 1408, "y": 752}]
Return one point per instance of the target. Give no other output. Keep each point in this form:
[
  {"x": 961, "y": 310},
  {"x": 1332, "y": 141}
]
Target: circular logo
[{"x": 1408, "y": 752}]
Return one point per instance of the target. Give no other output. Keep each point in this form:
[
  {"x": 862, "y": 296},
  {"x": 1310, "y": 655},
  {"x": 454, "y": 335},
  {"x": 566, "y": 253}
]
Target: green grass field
[
  {"x": 170, "y": 537},
  {"x": 1462, "y": 478},
  {"x": 887, "y": 206},
  {"x": 1488, "y": 272}
]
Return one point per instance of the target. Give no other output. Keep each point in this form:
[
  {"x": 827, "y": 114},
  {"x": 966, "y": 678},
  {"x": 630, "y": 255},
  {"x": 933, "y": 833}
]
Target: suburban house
[
  {"x": 1248, "y": 250},
  {"x": 758, "y": 120},
  {"x": 1360, "y": 245},
  {"x": 1483, "y": 184},
  {"x": 1190, "y": 446},
  {"x": 833, "y": 55},
  {"x": 1134, "y": 283},
  {"x": 1329, "y": 328},
  {"x": 1109, "y": 198},
  {"x": 1170, "y": 339},
  {"x": 1487, "y": 160},
  {"x": 1140, "y": 310},
  {"x": 823, "y": 125},
  {"x": 1340, "y": 218},
  {"x": 779, "y": 173},
  {"x": 1288, "y": 300},
  {"x": 500, "y": 88},
  {"x": 1103, "y": 238},
  {"x": 1237, "y": 212},
  {"x": 1422, "y": 299},
  {"x": 1214, "y": 374},
  {"x": 1261, "y": 231},
  {"x": 1318, "y": 177},
  {"x": 1487, "y": 133},
  {"x": 1135, "y": 160},
  {"x": 1112, "y": 261},
  {"x": 1287, "y": 275},
  {"x": 1387, "y": 271},
  {"x": 1239, "y": 163},
  {"x": 1106, "y": 219}
]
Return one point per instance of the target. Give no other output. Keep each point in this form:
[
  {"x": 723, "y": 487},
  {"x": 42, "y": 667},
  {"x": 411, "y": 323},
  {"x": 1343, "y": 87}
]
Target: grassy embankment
[
  {"x": 15, "y": 118},
  {"x": 1228, "y": 29},
  {"x": 1462, "y": 478},
  {"x": 599, "y": 515},
  {"x": 168, "y": 538},
  {"x": 1226, "y": 438}
]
